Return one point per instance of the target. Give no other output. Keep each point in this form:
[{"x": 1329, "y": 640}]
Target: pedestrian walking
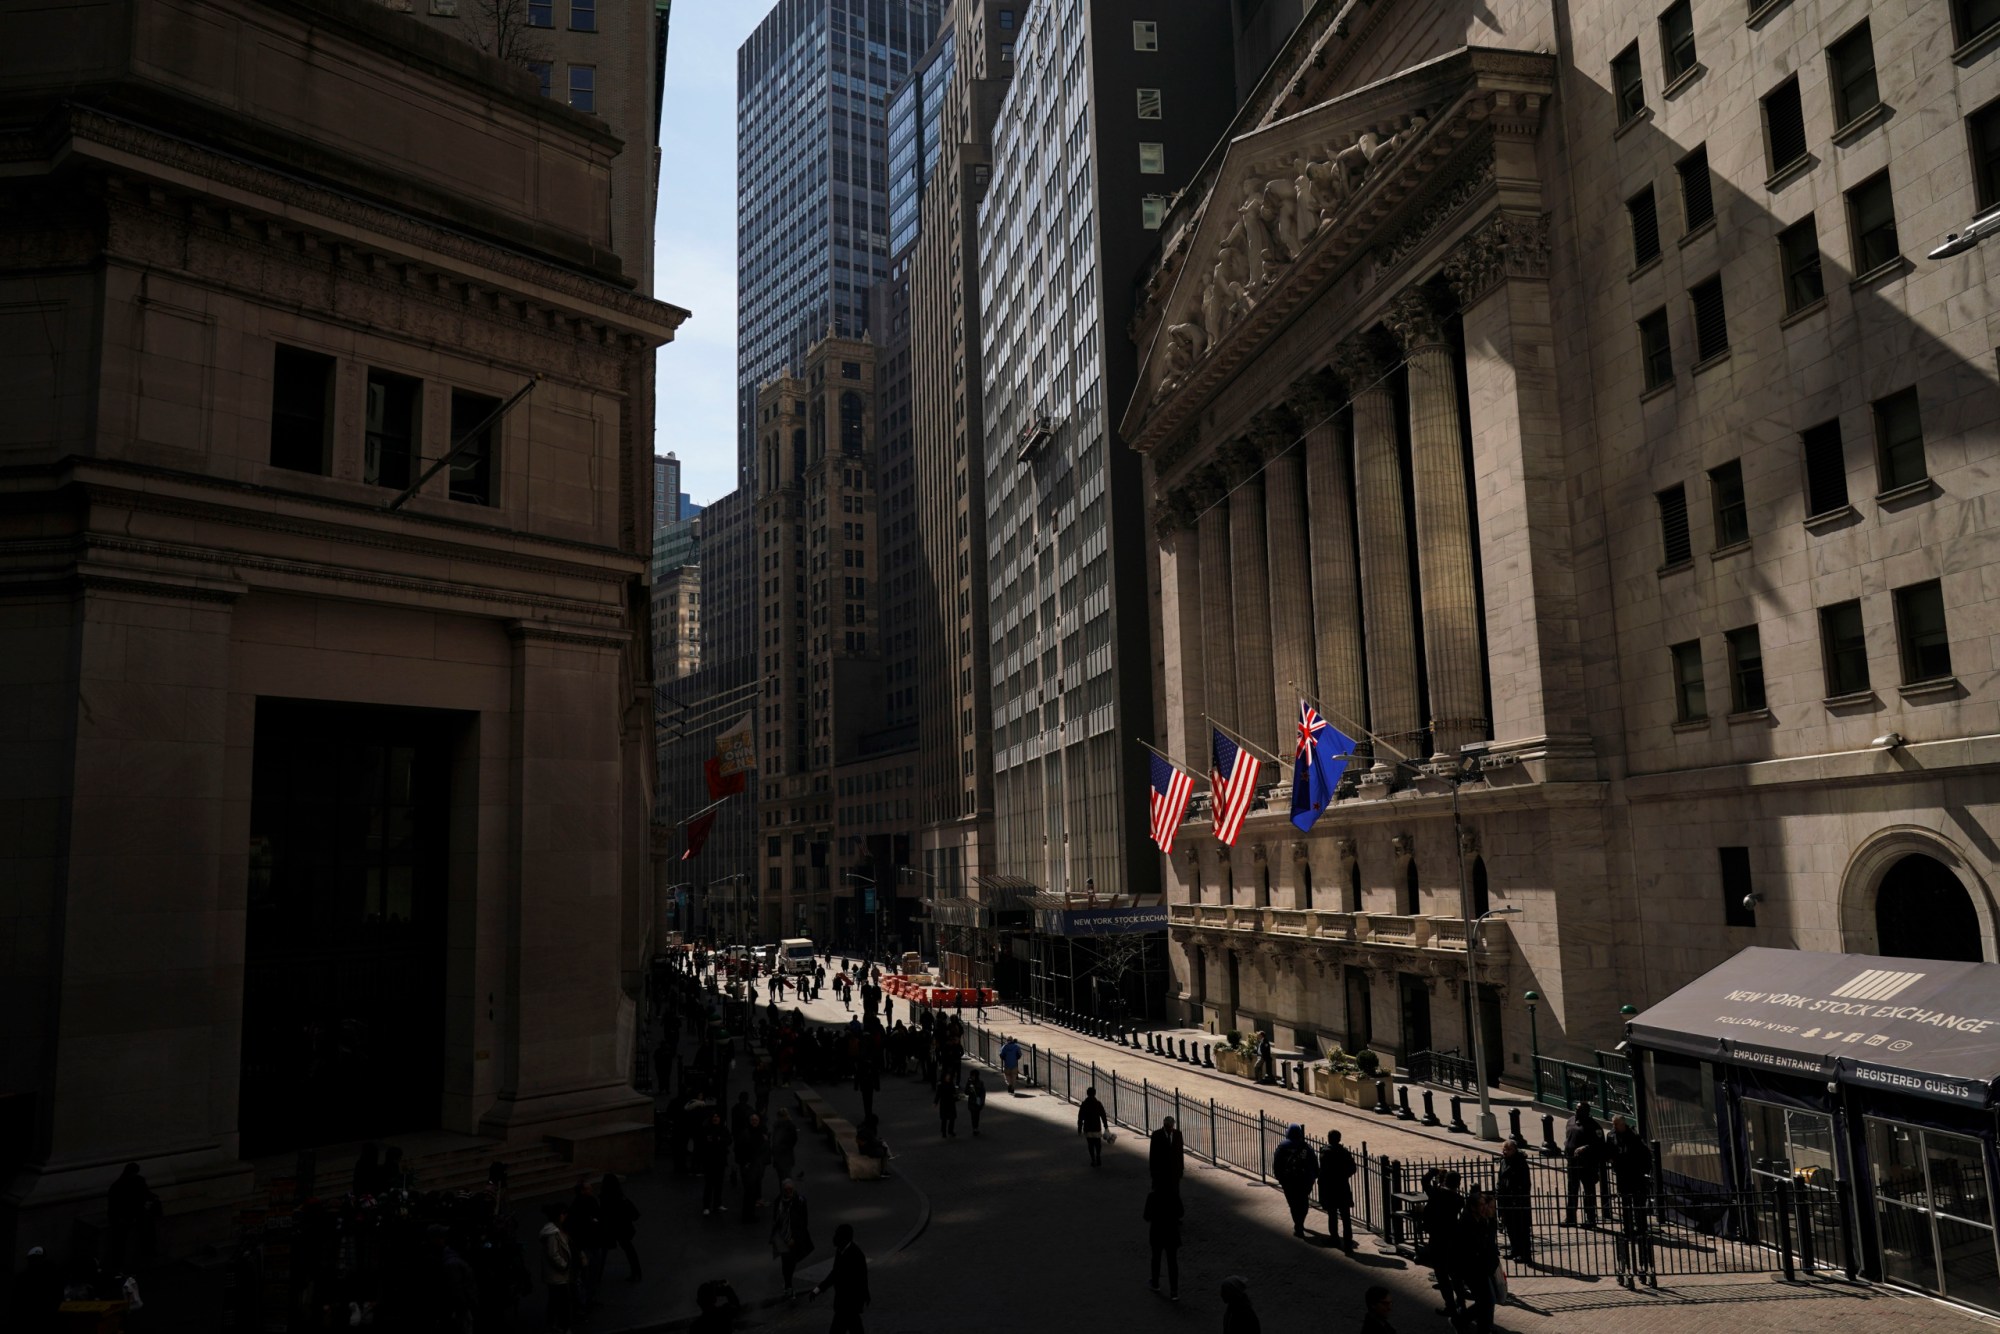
[
  {"x": 849, "y": 1281},
  {"x": 1266, "y": 1067},
  {"x": 1376, "y": 1306},
  {"x": 753, "y": 1155},
  {"x": 558, "y": 1260},
  {"x": 1237, "y": 1315},
  {"x": 1296, "y": 1167},
  {"x": 586, "y": 1239},
  {"x": 1477, "y": 1257},
  {"x": 1583, "y": 1147},
  {"x": 1443, "y": 1207},
  {"x": 791, "y": 1237},
  {"x": 1164, "y": 1212},
  {"x": 1010, "y": 1063},
  {"x": 131, "y": 1212},
  {"x": 621, "y": 1222},
  {"x": 867, "y": 1080},
  {"x": 1166, "y": 1156},
  {"x": 1632, "y": 1165},
  {"x": 712, "y": 1153},
  {"x": 946, "y": 1097},
  {"x": 1336, "y": 1190},
  {"x": 1513, "y": 1190},
  {"x": 1090, "y": 1123},
  {"x": 975, "y": 1099},
  {"x": 784, "y": 1145}
]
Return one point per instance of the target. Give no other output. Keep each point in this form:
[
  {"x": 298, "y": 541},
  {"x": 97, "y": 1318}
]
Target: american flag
[
  {"x": 1234, "y": 783},
  {"x": 1172, "y": 786}
]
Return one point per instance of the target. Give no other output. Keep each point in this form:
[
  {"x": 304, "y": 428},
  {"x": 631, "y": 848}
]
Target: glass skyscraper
[
  {"x": 813, "y": 84},
  {"x": 915, "y": 125}
]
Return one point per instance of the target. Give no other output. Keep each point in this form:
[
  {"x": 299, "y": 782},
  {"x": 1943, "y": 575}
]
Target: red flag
[
  {"x": 697, "y": 833},
  {"x": 720, "y": 784}
]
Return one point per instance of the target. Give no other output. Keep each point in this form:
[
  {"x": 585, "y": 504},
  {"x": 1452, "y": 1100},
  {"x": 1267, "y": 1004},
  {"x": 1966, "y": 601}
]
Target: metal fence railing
[{"x": 1446, "y": 1068}]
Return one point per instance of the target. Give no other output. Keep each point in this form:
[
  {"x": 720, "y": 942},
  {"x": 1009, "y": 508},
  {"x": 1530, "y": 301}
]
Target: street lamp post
[
  {"x": 1489, "y": 1126},
  {"x": 877, "y": 914},
  {"x": 740, "y": 879},
  {"x": 678, "y": 916}
]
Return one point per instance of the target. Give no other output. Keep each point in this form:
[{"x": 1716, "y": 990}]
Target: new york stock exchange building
[{"x": 1576, "y": 433}]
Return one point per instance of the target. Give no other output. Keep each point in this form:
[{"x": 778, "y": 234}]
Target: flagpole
[
  {"x": 1320, "y": 704},
  {"x": 706, "y": 809},
  {"x": 1176, "y": 763},
  {"x": 1247, "y": 744}
]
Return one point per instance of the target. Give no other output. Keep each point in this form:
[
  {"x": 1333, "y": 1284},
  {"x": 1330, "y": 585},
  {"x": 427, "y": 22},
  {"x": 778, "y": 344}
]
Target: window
[
  {"x": 1784, "y": 125},
  {"x": 1746, "y": 669},
  {"x": 1974, "y": 17},
  {"x": 541, "y": 13},
  {"x": 1656, "y": 350},
  {"x": 1850, "y": 67},
  {"x": 1690, "y": 694},
  {"x": 1711, "y": 323},
  {"x": 1677, "y": 39},
  {"x": 301, "y": 409},
  {"x": 583, "y": 87},
  {"x": 1984, "y": 126},
  {"x": 1739, "y": 908},
  {"x": 1149, "y": 103},
  {"x": 1826, "y": 468},
  {"x": 544, "y": 74},
  {"x": 1871, "y": 220},
  {"x": 1006, "y": 53},
  {"x": 1798, "y": 261},
  {"x": 583, "y": 15},
  {"x": 1645, "y": 215},
  {"x": 395, "y": 416},
  {"x": 1145, "y": 35},
  {"x": 1152, "y": 211},
  {"x": 1628, "y": 84},
  {"x": 1732, "y": 514},
  {"x": 1899, "y": 440},
  {"x": 1844, "y": 649},
  {"x": 472, "y": 467},
  {"x": 1152, "y": 159},
  {"x": 1006, "y": 20},
  {"x": 1675, "y": 548},
  {"x": 1697, "y": 194},
  {"x": 1921, "y": 634}
]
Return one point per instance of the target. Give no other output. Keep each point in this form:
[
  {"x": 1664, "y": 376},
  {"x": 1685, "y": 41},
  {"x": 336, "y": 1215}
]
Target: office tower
[
  {"x": 915, "y": 124},
  {"x": 1113, "y": 105},
  {"x": 812, "y": 176},
  {"x": 666, "y": 490}
]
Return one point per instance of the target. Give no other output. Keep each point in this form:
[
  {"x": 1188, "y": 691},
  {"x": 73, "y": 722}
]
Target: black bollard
[
  {"x": 1514, "y": 1130},
  {"x": 1403, "y": 1112},
  {"x": 1550, "y": 1149},
  {"x": 1180, "y": 1053},
  {"x": 1207, "y": 1059},
  {"x": 1381, "y": 1097},
  {"x": 1430, "y": 1117},
  {"x": 1458, "y": 1126}
]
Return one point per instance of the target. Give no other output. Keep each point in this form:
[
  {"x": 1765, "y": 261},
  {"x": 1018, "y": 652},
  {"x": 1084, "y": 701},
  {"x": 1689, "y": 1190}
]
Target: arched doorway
[
  {"x": 1923, "y": 912},
  {"x": 1482, "y": 896}
]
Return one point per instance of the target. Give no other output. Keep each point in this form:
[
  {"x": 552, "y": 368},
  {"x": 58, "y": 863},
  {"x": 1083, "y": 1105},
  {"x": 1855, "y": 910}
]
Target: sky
[{"x": 694, "y": 262}]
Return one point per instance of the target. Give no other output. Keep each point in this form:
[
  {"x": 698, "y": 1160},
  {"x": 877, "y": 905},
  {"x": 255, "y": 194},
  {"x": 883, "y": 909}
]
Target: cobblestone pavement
[{"x": 1023, "y": 1234}]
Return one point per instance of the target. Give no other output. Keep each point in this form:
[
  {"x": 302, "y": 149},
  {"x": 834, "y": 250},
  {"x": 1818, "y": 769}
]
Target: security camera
[{"x": 1750, "y": 902}]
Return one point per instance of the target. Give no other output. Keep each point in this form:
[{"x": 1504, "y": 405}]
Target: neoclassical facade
[{"x": 1439, "y": 435}]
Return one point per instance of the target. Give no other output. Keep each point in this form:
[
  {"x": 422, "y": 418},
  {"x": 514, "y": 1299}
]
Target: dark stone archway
[{"x": 1922, "y": 911}]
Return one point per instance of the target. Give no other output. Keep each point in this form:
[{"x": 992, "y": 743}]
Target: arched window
[
  {"x": 1923, "y": 912},
  {"x": 1412, "y": 900},
  {"x": 1354, "y": 887},
  {"x": 850, "y": 423},
  {"x": 1264, "y": 888},
  {"x": 1305, "y": 885},
  {"x": 1482, "y": 901}
]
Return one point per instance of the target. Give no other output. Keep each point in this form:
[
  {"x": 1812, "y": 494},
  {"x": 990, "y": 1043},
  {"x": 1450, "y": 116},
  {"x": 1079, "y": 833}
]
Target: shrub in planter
[{"x": 1368, "y": 1063}]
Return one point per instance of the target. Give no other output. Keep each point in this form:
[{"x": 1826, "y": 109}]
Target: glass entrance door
[
  {"x": 1794, "y": 1145},
  {"x": 1934, "y": 1209}
]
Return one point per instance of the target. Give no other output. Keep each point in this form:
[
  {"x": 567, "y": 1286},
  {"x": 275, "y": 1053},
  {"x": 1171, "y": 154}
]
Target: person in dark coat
[
  {"x": 946, "y": 1098},
  {"x": 712, "y": 1153},
  {"x": 1477, "y": 1257},
  {"x": 1164, "y": 1212},
  {"x": 621, "y": 1222},
  {"x": 975, "y": 1098},
  {"x": 1237, "y": 1315},
  {"x": 130, "y": 1209},
  {"x": 791, "y": 1234},
  {"x": 1296, "y": 1167},
  {"x": 1443, "y": 1206},
  {"x": 1376, "y": 1305},
  {"x": 1091, "y": 1121},
  {"x": 867, "y": 1079},
  {"x": 1632, "y": 1165},
  {"x": 1267, "y": 1068},
  {"x": 784, "y": 1145},
  {"x": 587, "y": 1239},
  {"x": 1336, "y": 1190},
  {"x": 1166, "y": 1156},
  {"x": 1583, "y": 1148},
  {"x": 1513, "y": 1191},
  {"x": 849, "y": 1281},
  {"x": 753, "y": 1156}
]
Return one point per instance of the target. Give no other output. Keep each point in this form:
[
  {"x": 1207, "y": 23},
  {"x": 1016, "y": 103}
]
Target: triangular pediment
[{"x": 1288, "y": 205}]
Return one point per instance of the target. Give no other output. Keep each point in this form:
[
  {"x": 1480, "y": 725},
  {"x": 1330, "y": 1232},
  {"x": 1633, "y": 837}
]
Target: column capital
[
  {"x": 1239, "y": 460},
  {"x": 1506, "y": 245},
  {"x": 1273, "y": 429},
  {"x": 1316, "y": 397},
  {"x": 1416, "y": 318},
  {"x": 1359, "y": 362},
  {"x": 1175, "y": 512}
]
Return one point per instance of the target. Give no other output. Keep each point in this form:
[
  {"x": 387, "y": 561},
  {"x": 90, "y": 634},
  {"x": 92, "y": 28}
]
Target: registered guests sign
[{"x": 1925, "y": 1027}]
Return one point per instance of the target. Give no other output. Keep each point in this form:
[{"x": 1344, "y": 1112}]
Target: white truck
[{"x": 796, "y": 955}]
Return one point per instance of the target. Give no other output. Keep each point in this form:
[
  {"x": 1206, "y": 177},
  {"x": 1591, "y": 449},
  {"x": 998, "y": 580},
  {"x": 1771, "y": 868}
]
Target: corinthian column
[
  {"x": 1391, "y": 641},
  {"x": 1336, "y": 589},
  {"x": 1291, "y": 574},
  {"x": 1218, "y": 657},
  {"x": 1250, "y": 577},
  {"x": 1444, "y": 527}
]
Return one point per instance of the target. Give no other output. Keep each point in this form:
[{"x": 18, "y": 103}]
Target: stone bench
[{"x": 847, "y": 1143}]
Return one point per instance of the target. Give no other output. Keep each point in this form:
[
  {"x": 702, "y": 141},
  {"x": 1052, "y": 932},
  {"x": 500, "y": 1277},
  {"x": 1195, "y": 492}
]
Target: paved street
[{"x": 1022, "y": 1230}]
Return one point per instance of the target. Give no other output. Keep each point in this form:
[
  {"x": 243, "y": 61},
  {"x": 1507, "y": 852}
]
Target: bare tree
[
  {"x": 1116, "y": 957},
  {"x": 503, "y": 30}
]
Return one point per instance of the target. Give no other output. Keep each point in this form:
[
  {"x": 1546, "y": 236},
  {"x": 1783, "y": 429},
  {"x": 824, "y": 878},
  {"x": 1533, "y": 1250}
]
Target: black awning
[{"x": 1915, "y": 1026}]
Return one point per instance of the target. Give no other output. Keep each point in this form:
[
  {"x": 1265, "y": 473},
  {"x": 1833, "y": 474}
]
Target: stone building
[
  {"x": 1569, "y": 403},
  {"x": 330, "y": 763}
]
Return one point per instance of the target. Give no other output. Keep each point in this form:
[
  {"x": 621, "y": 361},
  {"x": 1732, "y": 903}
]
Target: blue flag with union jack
[{"x": 1317, "y": 763}]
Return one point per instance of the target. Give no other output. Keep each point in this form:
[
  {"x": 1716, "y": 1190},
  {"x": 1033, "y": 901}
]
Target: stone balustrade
[{"x": 1392, "y": 931}]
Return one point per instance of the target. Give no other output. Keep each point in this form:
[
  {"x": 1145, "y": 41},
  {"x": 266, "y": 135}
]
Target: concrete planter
[
  {"x": 1240, "y": 1063},
  {"x": 1350, "y": 1086}
]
